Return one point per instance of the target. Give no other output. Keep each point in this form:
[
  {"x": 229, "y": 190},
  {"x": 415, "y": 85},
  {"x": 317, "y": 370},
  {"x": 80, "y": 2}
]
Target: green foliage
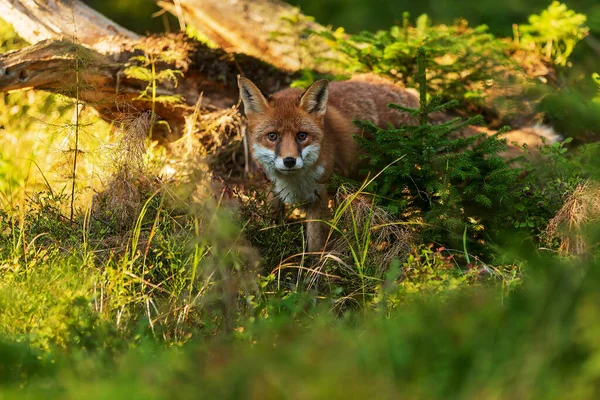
[
  {"x": 470, "y": 344},
  {"x": 46, "y": 296},
  {"x": 554, "y": 32},
  {"x": 9, "y": 40},
  {"x": 596, "y": 78},
  {"x": 86, "y": 286},
  {"x": 37, "y": 139},
  {"x": 145, "y": 71},
  {"x": 144, "y": 68},
  {"x": 455, "y": 183},
  {"x": 430, "y": 274},
  {"x": 431, "y": 169},
  {"x": 541, "y": 193},
  {"x": 303, "y": 45},
  {"x": 486, "y": 74},
  {"x": 358, "y": 15},
  {"x": 464, "y": 62}
]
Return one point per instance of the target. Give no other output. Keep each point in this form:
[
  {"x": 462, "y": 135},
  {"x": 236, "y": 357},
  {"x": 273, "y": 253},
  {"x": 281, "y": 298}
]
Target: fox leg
[
  {"x": 316, "y": 231},
  {"x": 274, "y": 205}
]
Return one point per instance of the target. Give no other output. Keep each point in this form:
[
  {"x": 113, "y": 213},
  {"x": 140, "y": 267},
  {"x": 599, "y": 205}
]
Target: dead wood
[
  {"x": 53, "y": 65},
  {"x": 249, "y": 27},
  {"x": 38, "y": 20},
  {"x": 70, "y": 40}
]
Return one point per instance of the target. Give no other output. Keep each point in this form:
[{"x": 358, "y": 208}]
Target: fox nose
[{"x": 289, "y": 162}]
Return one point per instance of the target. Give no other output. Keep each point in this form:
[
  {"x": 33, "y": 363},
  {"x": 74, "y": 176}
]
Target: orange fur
[
  {"x": 300, "y": 166},
  {"x": 325, "y": 113}
]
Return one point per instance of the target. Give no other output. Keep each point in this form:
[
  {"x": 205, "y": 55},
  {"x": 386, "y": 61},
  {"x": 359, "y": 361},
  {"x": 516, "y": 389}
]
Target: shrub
[
  {"x": 464, "y": 61},
  {"x": 554, "y": 32},
  {"x": 430, "y": 170},
  {"x": 488, "y": 75}
]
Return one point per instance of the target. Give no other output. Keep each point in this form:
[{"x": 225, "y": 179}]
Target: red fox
[{"x": 300, "y": 138}]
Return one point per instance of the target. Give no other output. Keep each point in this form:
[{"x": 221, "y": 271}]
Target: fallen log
[
  {"x": 56, "y": 66},
  {"x": 248, "y": 26},
  {"x": 75, "y": 47},
  {"x": 38, "y": 20}
]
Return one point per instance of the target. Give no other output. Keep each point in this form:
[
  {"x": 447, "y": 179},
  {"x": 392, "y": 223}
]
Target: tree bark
[{"x": 37, "y": 20}]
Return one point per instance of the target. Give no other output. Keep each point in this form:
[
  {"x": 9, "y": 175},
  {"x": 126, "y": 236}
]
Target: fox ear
[
  {"x": 254, "y": 101},
  {"x": 314, "y": 100}
]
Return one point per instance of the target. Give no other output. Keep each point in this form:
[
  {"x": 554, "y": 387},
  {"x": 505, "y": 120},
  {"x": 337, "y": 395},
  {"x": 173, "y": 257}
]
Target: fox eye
[
  {"x": 302, "y": 136},
  {"x": 272, "y": 136}
]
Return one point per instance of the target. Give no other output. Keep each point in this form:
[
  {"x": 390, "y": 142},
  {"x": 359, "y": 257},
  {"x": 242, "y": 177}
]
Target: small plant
[
  {"x": 129, "y": 187},
  {"x": 543, "y": 191},
  {"x": 364, "y": 240},
  {"x": 596, "y": 78},
  {"x": 465, "y": 63},
  {"x": 144, "y": 68},
  {"x": 44, "y": 145},
  {"x": 554, "y": 32},
  {"x": 446, "y": 179},
  {"x": 432, "y": 273}
]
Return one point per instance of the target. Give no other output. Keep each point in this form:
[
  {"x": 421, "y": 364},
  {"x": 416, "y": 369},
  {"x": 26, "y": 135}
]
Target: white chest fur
[{"x": 301, "y": 185}]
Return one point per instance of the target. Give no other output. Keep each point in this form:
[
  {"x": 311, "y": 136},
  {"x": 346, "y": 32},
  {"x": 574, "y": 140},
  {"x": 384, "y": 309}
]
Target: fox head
[{"x": 285, "y": 131}]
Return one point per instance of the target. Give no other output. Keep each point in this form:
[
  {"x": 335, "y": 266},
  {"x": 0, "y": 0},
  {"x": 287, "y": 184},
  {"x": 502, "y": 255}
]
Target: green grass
[
  {"x": 539, "y": 342},
  {"x": 176, "y": 310}
]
